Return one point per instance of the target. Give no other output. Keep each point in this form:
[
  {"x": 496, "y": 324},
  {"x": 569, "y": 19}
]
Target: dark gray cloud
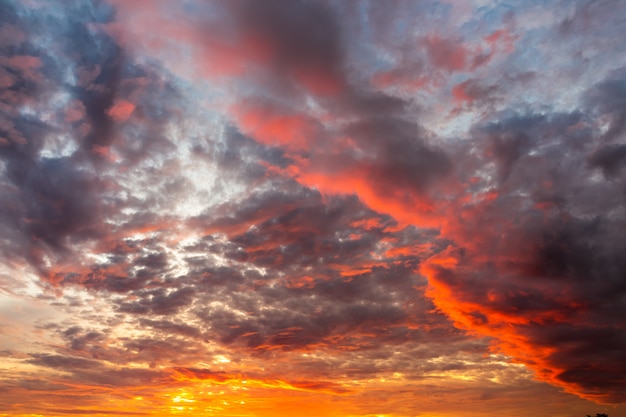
[
  {"x": 552, "y": 232},
  {"x": 63, "y": 159},
  {"x": 302, "y": 36}
]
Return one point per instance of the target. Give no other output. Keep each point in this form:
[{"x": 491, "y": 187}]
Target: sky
[{"x": 340, "y": 208}]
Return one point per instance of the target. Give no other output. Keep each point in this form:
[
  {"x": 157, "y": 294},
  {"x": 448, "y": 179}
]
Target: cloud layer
[{"x": 332, "y": 208}]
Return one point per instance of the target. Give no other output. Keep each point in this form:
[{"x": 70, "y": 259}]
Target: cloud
[
  {"x": 536, "y": 265},
  {"x": 470, "y": 91},
  {"x": 610, "y": 159},
  {"x": 446, "y": 54},
  {"x": 359, "y": 208}
]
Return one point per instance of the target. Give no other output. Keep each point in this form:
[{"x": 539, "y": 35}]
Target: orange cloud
[
  {"x": 404, "y": 205},
  {"x": 121, "y": 110},
  {"x": 269, "y": 126}
]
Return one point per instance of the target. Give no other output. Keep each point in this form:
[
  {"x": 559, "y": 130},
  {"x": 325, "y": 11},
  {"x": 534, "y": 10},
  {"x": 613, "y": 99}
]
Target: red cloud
[
  {"x": 271, "y": 126},
  {"x": 121, "y": 110},
  {"x": 406, "y": 205}
]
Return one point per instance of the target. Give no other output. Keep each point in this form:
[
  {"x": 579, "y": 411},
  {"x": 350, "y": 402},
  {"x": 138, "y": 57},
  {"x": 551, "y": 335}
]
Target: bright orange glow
[{"x": 406, "y": 208}]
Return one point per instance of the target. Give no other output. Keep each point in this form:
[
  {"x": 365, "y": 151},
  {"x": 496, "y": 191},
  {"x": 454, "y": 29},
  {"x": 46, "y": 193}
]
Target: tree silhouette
[{"x": 599, "y": 415}]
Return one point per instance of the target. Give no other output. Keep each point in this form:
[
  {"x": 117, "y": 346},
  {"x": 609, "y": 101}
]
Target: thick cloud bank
[{"x": 351, "y": 200}]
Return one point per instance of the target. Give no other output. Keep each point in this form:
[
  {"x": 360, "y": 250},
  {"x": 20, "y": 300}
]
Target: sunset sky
[{"x": 330, "y": 208}]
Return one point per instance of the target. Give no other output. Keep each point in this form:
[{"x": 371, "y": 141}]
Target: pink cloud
[
  {"x": 121, "y": 110},
  {"x": 446, "y": 54}
]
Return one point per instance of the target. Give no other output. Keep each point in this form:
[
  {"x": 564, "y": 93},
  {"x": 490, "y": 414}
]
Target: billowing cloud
[
  {"x": 311, "y": 208},
  {"x": 536, "y": 262}
]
